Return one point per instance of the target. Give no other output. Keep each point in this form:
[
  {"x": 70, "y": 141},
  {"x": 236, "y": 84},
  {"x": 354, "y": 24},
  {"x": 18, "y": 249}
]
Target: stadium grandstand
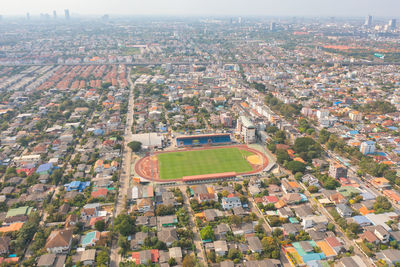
[
  {"x": 209, "y": 178},
  {"x": 206, "y": 139}
]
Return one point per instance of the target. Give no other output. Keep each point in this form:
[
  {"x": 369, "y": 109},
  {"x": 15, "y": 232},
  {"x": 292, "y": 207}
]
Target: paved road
[
  {"x": 124, "y": 179},
  {"x": 201, "y": 255}
]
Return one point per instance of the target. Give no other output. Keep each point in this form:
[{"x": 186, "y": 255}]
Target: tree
[
  {"x": 100, "y": 225},
  {"x": 296, "y": 166},
  {"x": 234, "y": 254},
  {"x": 237, "y": 187},
  {"x": 102, "y": 258},
  {"x": 172, "y": 262},
  {"x": 123, "y": 243},
  {"x": 382, "y": 204},
  {"x": 207, "y": 233},
  {"x": 236, "y": 220},
  {"x": 135, "y": 146},
  {"x": 313, "y": 189},
  {"x": 354, "y": 228},
  {"x": 282, "y": 156},
  {"x": 188, "y": 261}
]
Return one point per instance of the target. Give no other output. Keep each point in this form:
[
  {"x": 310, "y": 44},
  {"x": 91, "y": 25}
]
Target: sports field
[{"x": 195, "y": 162}]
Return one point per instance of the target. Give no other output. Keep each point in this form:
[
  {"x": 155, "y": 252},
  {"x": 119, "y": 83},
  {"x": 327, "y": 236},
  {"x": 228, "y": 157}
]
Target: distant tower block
[
  {"x": 368, "y": 21},
  {"x": 54, "y": 14},
  {"x": 66, "y": 12}
]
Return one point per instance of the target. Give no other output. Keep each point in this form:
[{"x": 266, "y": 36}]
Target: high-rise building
[
  {"x": 240, "y": 20},
  {"x": 392, "y": 24},
  {"x": 368, "y": 21},
  {"x": 28, "y": 16},
  {"x": 367, "y": 147},
  {"x": 66, "y": 12},
  {"x": 337, "y": 171},
  {"x": 54, "y": 14},
  {"x": 272, "y": 26}
]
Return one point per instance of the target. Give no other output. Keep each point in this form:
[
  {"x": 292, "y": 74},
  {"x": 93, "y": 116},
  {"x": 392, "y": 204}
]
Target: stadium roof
[
  {"x": 209, "y": 176},
  {"x": 201, "y": 135}
]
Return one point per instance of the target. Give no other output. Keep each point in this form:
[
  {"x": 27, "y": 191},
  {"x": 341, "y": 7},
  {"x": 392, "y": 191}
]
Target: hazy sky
[{"x": 207, "y": 7}]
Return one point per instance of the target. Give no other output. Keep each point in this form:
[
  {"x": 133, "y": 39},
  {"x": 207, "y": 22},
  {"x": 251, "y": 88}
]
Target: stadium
[
  {"x": 201, "y": 158},
  {"x": 201, "y": 140}
]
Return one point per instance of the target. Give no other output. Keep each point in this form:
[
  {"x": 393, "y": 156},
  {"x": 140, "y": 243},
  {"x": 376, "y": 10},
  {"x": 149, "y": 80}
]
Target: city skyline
[{"x": 340, "y": 8}]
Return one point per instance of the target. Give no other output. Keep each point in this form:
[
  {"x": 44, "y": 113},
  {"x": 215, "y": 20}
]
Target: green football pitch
[{"x": 175, "y": 165}]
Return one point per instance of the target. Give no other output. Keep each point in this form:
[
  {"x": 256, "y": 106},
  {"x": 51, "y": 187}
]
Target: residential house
[
  {"x": 382, "y": 233},
  {"x": 290, "y": 186},
  {"x": 167, "y": 235},
  {"x": 335, "y": 244},
  {"x": 167, "y": 221},
  {"x": 220, "y": 247},
  {"x": 4, "y": 244},
  {"x": 222, "y": 229},
  {"x": 230, "y": 202},
  {"x": 390, "y": 256},
  {"x": 176, "y": 253},
  {"x": 145, "y": 256},
  {"x": 254, "y": 244},
  {"x": 59, "y": 241},
  {"x": 344, "y": 210},
  {"x": 144, "y": 204}
]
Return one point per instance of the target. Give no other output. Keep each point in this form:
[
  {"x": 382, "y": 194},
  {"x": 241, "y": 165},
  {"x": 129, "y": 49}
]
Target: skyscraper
[
  {"x": 368, "y": 21},
  {"x": 272, "y": 26},
  {"x": 28, "y": 16},
  {"x": 392, "y": 24},
  {"x": 54, "y": 14},
  {"x": 66, "y": 11}
]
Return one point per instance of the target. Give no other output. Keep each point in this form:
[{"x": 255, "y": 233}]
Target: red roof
[
  {"x": 154, "y": 256},
  {"x": 102, "y": 192},
  {"x": 270, "y": 199},
  {"x": 333, "y": 242},
  {"x": 95, "y": 219},
  {"x": 136, "y": 257}
]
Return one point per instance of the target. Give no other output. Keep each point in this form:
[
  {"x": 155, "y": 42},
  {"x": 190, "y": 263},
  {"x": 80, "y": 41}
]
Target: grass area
[{"x": 185, "y": 163}]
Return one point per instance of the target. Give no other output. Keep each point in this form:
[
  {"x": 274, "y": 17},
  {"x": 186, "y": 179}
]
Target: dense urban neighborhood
[{"x": 199, "y": 142}]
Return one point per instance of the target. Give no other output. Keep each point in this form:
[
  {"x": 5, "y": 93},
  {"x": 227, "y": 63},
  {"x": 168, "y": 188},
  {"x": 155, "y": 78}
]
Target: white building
[
  {"x": 230, "y": 203},
  {"x": 322, "y": 113},
  {"x": 246, "y": 129},
  {"x": 367, "y": 147}
]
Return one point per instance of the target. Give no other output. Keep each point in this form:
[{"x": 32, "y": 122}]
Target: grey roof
[
  {"x": 254, "y": 243},
  {"x": 263, "y": 263},
  {"x": 395, "y": 235},
  {"x": 167, "y": 235},
  {"x": 348, "y": 262},
  {"x": 227, "y": 263},
  {"x": 175, "y": 252},
  {"x": 47, "y": 260},
  {"x": 88, "y": 255},
  {"x": 344, "y": 208},
  {"x": 392, "y": 255},
  {"x": 222, "y": 227},
  {"x": 306, "y": 246}
]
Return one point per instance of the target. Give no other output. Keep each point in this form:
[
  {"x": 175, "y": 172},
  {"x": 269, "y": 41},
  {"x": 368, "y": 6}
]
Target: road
[
  {"x": 124, "y": 178},
  {"x": 201, "y": 255}
]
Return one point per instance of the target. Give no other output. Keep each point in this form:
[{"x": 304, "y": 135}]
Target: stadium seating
[{"x": 203, "y": 140}]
